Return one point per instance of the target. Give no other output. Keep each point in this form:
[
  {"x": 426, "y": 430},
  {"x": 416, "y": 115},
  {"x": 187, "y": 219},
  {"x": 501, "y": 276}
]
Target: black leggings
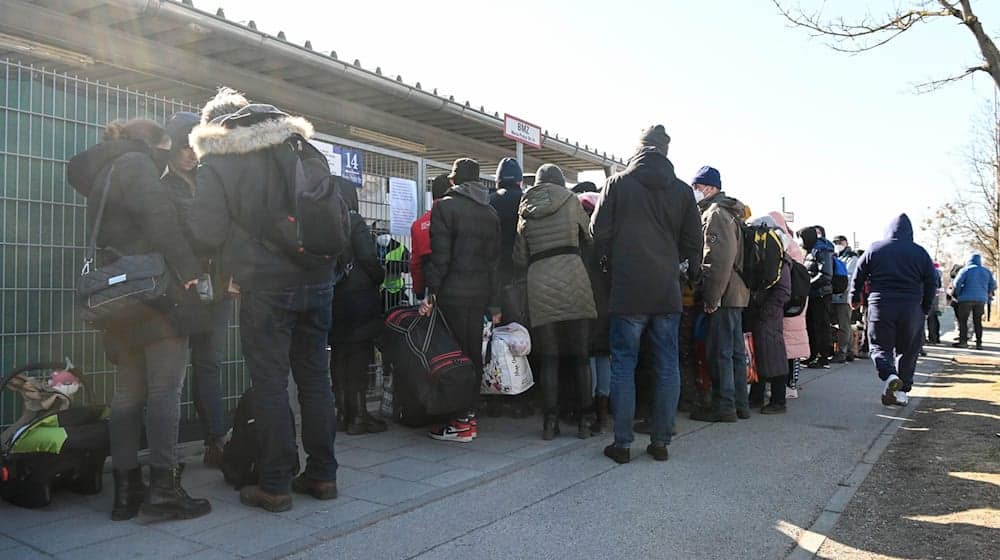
[
  {"x": 350, "y": 365},
  {"x": 565, "y": 342},
  {"x": 819, "y": 326}
]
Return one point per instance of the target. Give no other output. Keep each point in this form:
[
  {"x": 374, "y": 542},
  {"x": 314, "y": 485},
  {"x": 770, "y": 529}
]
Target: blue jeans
[
  {"x": 626, "y": 332},
  {"x": 727, "y": 360},
  {"x": 206, "y": 358},
  {"x": 600, "y": 375},
  {"x": 284, "y": 330}
]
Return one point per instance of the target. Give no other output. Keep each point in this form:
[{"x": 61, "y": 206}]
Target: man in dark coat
[
  {"x": 462, "y": 276},
  {"x": 646, "y": 222},
  {"x": 819, "y": 263},
  {"x": 903, "y": 284},
  {"x": 285, "y": 301},
  {"x": 506, "y": 201}
]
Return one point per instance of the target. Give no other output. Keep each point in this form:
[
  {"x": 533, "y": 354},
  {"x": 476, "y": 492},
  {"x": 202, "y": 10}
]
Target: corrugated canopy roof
[{"x": 175, "y": 50}]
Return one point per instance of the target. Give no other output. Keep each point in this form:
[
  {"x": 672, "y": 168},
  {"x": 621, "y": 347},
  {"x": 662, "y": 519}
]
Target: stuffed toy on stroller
[{"x": 52, "y": 444}]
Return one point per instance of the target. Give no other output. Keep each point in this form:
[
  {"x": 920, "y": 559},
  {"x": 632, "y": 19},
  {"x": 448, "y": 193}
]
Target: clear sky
[{"x": 843, "y": 137}]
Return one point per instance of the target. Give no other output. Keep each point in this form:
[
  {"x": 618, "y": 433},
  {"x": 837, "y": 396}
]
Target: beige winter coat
[{"x": 551, "y": 217}]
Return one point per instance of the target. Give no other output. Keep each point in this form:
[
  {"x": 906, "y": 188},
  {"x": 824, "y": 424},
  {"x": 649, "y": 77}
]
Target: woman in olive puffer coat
[{"x": 551, "y": 228}]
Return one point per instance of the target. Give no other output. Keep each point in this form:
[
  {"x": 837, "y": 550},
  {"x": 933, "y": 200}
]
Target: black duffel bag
[{"x": 116, "y": 290}]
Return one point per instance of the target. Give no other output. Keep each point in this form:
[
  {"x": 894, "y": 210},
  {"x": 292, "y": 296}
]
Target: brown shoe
[
  {"x": 213, "y": 453},
  {"x": 253, "y": 496},
  {"x": 319, "y": 489}
]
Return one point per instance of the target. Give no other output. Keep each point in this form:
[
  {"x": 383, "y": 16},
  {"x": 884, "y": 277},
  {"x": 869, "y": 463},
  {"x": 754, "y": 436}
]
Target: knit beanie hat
[
  {"x": 585, "y": 187},
  {"x": 655, "y": 136},
  {"x": 708, "y": 176},
  {"x": 178, "y": 128},
  {"x": 509, "y": 172},
  {"x": 464, "y": 170},
  {"x": 549, "y": 173},
  {"x": 439, "y": 186}
]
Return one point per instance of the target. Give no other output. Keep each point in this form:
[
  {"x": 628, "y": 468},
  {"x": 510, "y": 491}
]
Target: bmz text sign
[{"x": 522, "y": 131}]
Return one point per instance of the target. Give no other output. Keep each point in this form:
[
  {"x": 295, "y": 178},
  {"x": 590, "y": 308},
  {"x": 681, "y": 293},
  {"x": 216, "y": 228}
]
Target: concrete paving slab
[
  {"x": 211, "y": 554},
  {"x": 253, "y": 534},
  {"x": 73, "y": 532},
  {"x": 142, "y": 543},
  {"x": 335, "y": 514},
  {"x": 388, "y": 491},
  {"x": 429, "y": 450},
  {"x": 410, "y": 469},
  {"x": 361, "y": 458},
  {"x": 223, "y": 513},
  {"x": 452, "y": 477},
  {"x": 481, "y": 461},
  {"x": 24, "y": 553}
]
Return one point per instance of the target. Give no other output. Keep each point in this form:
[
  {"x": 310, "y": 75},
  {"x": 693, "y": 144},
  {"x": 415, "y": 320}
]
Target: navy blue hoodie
[{"x": 901, "y": 272}]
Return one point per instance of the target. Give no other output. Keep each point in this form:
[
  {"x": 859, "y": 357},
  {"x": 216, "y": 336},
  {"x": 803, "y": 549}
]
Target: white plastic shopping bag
[
  {"x": 516, "y": 336},
  {"x": 505, "y": 373}
]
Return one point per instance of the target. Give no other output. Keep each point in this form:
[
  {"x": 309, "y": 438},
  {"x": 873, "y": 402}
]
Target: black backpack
[
  {"x": 242, "y": 451},
  {"x": 309, "y": 221},
  {"x": 800, "y": 290},
  {"x": 763, "y": 257}
]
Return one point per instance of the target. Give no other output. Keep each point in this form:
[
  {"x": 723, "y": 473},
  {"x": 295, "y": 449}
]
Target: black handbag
[{"x": 121, "y": 288}]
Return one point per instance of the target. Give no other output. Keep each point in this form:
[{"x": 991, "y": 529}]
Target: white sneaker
[
  {"x": 791, "y": 393},
  {"x": 889, "y": 390},
  {"x": 901, "y": 398}
]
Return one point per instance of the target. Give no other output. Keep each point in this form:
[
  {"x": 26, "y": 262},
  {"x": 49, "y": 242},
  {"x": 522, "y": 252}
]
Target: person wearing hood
[
  {"x": 768, "y": 331},
  {"x": 506, "y": 201},
  {"x": 796, "y": 335},
  {"x": 902, "y": 284},
  {"x": 974, "y": 288},
  {"x": 819, "y": 264},
  {"x": 552, "y": 229},
  {"x": 357, "y": 321},
  {"x": 149, "y": 346},
  {"x": 207, "y": 347},
  {"x": 725, "y": 296},
  {"x": 462, "y": 278},
  {"x": 841, "y": 307},
  {"x": 585, "y": 187},
  {"x": 646, "y": 223},
  {"x": 286, "y": 298}
]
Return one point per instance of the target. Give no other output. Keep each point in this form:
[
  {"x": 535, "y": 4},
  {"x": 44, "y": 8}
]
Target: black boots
[
  {"x": 586, "y": 423},
  {"x": 359, "y": 421},
  {"x": 128, "y": 494},
  {"x": 166, "y": 497},
  {"x": 550, "y": 426},
  {"x": 602, "y": 424}
]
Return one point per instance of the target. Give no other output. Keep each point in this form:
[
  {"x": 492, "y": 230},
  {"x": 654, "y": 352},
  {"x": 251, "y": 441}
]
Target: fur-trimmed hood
[{"x": 209, "y": 139}]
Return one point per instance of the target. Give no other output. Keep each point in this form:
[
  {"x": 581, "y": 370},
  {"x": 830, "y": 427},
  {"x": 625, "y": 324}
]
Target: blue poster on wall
[{"x": 348, "y": 163}]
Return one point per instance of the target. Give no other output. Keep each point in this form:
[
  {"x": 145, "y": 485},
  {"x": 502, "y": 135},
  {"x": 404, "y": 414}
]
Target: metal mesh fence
[{"x": 46, "y": 117}]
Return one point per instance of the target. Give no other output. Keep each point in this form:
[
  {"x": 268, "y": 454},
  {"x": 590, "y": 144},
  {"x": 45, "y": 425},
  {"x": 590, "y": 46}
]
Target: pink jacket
[{"x": 796, "y": 337}]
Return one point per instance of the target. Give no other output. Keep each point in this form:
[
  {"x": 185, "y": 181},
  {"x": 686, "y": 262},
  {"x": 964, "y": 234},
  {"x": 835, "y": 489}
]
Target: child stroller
[{"x": 51, "y": 445}]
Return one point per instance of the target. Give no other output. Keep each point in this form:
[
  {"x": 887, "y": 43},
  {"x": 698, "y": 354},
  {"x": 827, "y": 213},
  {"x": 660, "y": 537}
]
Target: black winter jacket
[
  {"x": 819, "y": 262},
  {"x": 238, "y": 175},
  {"x": 647, "y": 222},
  {"x": 506, "y": 201},
  {"x": 465, "y": 248},
  {"x": 139, "y": 217}
]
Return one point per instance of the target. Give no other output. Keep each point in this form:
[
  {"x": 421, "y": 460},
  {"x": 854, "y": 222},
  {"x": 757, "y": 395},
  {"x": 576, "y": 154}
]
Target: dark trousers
[
  {"x": 818, "y": 325},
  {"x": 895, "y": 336},
  {"x": 466, "y": 324},
  {"x": 206, "y": 360},
  {"x": 976, "y": 309},
  {"x": 563, "y": 344},
  {"x": 778, "y": 385},
  {"x": 933, "y": 328},
  {"x": 350, "y": 365},
  {"x": 284, "y": 330}
]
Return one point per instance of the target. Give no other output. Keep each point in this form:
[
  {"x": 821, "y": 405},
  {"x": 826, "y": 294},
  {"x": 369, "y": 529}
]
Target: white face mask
[{"x": 699, "y": 196}]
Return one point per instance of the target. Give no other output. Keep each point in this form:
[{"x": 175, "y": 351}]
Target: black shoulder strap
[{"x": 91, "y": 256}]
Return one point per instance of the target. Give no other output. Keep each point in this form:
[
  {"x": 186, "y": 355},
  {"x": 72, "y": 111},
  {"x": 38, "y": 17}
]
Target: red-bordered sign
[{"x": 520, "y": 130}]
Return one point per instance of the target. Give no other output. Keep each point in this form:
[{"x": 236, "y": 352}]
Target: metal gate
[{"x": 46, "y": 117}]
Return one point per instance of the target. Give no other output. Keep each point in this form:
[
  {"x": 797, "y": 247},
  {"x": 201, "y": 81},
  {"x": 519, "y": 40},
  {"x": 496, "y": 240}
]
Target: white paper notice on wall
[
  {"x": 402, "y": 205},
  {"x": 332, "y": 156}
]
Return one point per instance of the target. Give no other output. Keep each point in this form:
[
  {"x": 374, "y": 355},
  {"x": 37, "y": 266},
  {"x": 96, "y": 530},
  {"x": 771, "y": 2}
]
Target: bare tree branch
[{"x": 928, "y": 87}]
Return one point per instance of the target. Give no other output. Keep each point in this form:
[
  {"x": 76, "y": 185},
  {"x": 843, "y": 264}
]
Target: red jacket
[{"x": 420, "y": 236}]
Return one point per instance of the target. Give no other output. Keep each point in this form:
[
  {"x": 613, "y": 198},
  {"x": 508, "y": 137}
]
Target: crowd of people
[{"x": 638, "y": 299}]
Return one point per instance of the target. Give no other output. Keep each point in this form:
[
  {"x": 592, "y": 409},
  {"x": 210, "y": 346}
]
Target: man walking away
[
  {"x": 846, "y": 346},
  {"x": 902, "y": 283},
  {"x": 974, "y": 288},
  {"x": 725, "y": 296},
  {"x": 646, "y": 222},
  {"x": 819, "y": 263},
  {"x": 465, "y": 247},
  {"x": 286, "y": 297}
]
